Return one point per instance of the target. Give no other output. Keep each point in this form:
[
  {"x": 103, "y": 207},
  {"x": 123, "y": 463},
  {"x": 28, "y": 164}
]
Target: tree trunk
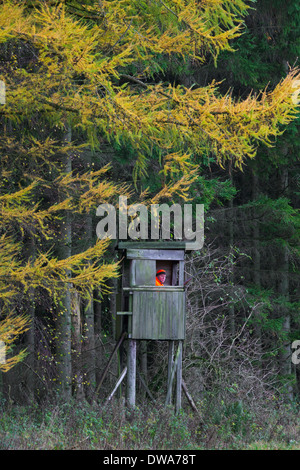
[
  {"x": 256, "y": 260},
  {"x": 90, "y": 353},
  {"x": 89, "y": 319},
  {"x": 77, "y": 372},
  {"x": 30, "y": 361},
  {"x": 231, "y": 242},
  {"x": 64, "y": 359},
  {"x": 283, "y": 289},
  {"x": 97, "y": 331}
]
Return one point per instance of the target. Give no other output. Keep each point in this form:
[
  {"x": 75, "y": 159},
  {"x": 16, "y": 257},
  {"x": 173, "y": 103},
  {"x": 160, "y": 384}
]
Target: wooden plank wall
[
  {"x": 145, "y": 271},
  {"x": 158, "y": 315}
]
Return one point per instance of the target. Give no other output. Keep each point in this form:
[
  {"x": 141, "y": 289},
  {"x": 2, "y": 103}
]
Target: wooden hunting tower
[
  {"x": 154, "y": 313},
  {"x": 149, "y": 312}
]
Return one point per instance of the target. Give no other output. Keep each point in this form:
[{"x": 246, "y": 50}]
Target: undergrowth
[{"x": 82, "y": 426}]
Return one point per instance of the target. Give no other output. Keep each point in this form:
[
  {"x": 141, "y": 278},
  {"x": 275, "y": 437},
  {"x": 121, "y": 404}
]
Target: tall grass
[{"x": 82, "y": 426}]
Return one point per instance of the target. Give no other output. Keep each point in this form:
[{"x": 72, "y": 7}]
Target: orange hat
[{"x": 160, "y": 271}]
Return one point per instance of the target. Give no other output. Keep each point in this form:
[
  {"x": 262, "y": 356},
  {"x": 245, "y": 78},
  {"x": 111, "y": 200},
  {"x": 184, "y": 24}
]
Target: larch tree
[{"x": 90, "y": 70}]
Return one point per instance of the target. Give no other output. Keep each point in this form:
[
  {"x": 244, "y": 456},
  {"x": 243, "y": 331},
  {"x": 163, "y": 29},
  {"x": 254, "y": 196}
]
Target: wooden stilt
[
  {"x": 170, "y": 358},
  {"x": 143, "y": 362},
  {"x": 117, "y": 346},
  {"x": 179, "y": 378},
  {"x": 116, "y": 386},
  {"x": 131, "y": 373},
  {"x": 170, "y": 365},
  {"x": 171, "y": 377}
]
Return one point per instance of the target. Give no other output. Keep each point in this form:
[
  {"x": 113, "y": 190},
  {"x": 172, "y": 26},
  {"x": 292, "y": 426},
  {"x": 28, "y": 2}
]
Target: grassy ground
[{"x": 82, "y": 426}]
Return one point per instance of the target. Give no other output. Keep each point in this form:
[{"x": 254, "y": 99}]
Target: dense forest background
[{"x": 102, "y": 100}]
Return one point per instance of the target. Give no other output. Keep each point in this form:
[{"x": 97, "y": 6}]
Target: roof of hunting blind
[
  {"x": 158, "y": 250},
  {"x": 153, "y": 245}
]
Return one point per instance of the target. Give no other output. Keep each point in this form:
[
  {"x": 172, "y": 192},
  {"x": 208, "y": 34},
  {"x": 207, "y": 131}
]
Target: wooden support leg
[
  {"x": 118, "y": 384},
  {"x": 131, "y": 373},
  {"x": 170, "y": 366},
  {"x": 172, "y": 374},
  {"x": 143, "y": 360},
  {"x": 179, "y": 379},
  {"x": 110, "y": 360}
]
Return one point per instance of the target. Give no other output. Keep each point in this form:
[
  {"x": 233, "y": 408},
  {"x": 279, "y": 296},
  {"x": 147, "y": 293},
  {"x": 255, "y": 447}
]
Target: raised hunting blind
[
  {"x": 146, "y": 311},
  {"x": 153, "y": 312}
]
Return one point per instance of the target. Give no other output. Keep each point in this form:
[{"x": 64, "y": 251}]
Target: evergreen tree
[{"x": 268, "y": 203}]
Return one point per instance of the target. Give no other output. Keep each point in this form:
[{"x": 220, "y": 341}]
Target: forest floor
[{"x": 80, "y": 426}]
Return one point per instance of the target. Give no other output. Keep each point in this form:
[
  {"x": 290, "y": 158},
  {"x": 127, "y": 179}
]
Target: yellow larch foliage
[
  {"x": 142, "y": 114},
  {"x": 11, "y": 328}
]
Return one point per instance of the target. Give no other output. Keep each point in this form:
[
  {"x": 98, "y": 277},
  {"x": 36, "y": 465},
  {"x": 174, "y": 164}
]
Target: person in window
[{"x": 160, "y": 277}]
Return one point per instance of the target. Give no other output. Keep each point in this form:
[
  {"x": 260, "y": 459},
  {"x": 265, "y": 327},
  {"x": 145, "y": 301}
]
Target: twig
[{"x": 121, "y": 37}]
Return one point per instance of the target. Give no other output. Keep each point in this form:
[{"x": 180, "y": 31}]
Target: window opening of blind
[{"x": 172, "y": 271}]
